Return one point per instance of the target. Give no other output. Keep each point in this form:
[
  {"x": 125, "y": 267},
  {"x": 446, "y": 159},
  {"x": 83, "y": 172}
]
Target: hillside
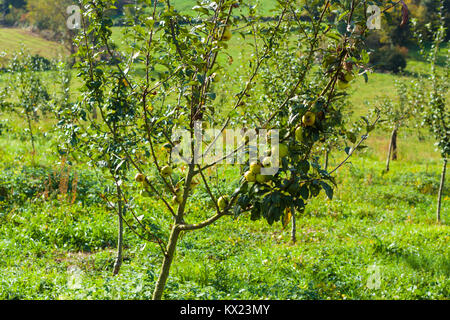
[{"x": 12, "y": 39}]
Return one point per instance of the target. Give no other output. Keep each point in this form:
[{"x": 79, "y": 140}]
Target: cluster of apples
[
  {"x": 254, "y": 172},
  {"x": 166, "y": 171},
  {"x": 344, "y": 80}
]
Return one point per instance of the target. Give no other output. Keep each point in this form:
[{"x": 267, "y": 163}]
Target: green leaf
[{"x": 328, "y": 189}]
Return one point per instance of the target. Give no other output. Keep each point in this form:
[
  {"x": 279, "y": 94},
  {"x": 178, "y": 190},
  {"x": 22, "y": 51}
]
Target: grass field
[
  {"x": 57, "y": 246},
  {"x": 12, "y": 39},
  {"x": 387, "y": 223}
]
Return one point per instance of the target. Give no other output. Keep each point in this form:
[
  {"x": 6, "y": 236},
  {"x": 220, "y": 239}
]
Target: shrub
[{"x": 388, "y": 59}]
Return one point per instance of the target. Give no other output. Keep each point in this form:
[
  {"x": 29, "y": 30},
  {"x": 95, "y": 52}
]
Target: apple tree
[
  {"x": 396, "y": 115},
  {"x": 429, "y": 94},
  {"x": 166, "y": 77}
]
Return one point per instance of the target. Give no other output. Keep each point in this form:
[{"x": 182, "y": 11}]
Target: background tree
[
  {"x": 396, "y": 116},
  {"x": 50, "y": 18},
  {"x": 32, "y": 94},
  {"x": 430, "y": 95}
]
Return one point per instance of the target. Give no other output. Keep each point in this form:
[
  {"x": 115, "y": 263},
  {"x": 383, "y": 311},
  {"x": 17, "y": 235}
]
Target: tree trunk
[
  {"x": 168, "y": 259},
  {"x": 441, "y": 189},
  {"x": 294, "y": 227},
  {"x": 119, "y": 258},
  {"x": 391, "y": 146},
  {"x": 394, "y": 144},
  {"x": 31, "y": 132},
  {"x": 325, "y": 166}
]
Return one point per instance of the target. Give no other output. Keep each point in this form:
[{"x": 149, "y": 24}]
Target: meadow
[{"x": 376, "y": 239}]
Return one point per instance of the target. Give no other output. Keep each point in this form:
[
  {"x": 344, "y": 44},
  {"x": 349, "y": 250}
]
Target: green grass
[
  {"x": 375, "y": 219},
  {"x": 387, "y": 221},
  {"x": 12, "y": 39}
]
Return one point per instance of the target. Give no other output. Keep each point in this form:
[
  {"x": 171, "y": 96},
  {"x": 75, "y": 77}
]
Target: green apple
[
  {"x": 282, "y": 149},
  {"x": 299, "y": 134},
  {"x": 343, "y": 84},
  {"x": 216, "y": 77},
  {"x": 309, "y": 118},
  {"x": 166, "y": 171},
  {"x": 348, "y": 76},
  {"x": 250, "y": 176},
  {"x": 179, "y": 192},
  {"x": 267, "y": 162},
  {"x": 139, "y": 177},
  {"x": 261, "y": 178},
  {"x": 227, "y": 33},
  {"x": 223, "y": 202},
  {"x": 255, "y": 167},
  {"x": 177, "y": 199}
]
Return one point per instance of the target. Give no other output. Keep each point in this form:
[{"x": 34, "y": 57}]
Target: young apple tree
[
  {"x": 31, "y": 92},
  {"x": 396, "y": 115},
  {"x": 156, "y": 95},
  {"x": 430, "y": 95}
]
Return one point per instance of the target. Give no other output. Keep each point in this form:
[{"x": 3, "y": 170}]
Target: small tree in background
[
  {"x": 396, "y": 115},
  {"x": 429, "y": 94},
  {"x": 26, "y": 84}
]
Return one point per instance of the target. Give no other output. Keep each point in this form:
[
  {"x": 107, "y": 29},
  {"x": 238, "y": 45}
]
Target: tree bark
[
  {"x": 119, "y": 258},
  {"x": 391, "y": 146},
  {"x": 31, "y": 132},
  {"x": 394, "y": 144},
  {"x": 168, "y": 259},
  {"x": 293, "y": 230},
  {"x": 294, "y": 227},
  {"x": 441, "y": 189}
]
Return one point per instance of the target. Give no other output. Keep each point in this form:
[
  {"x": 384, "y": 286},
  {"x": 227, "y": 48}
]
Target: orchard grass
[{"x": 387, "y": 221}]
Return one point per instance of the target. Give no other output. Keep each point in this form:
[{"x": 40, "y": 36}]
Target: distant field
[
  {"x": 12, "y": 39},
  {"x": 263, "y": 6}
]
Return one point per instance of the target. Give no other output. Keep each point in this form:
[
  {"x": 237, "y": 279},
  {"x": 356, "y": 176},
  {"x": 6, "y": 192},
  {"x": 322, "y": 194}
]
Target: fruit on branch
[
  {"x": 344, "y": 80},
  {"x": 179, "y": 192},
  {"x": 250, "y": 176},
  {"x": 262, "y": 178},
  {"x": 299, "y": 134},
  {"x": 227, "y": 34},
  {"x": 215, "y": 77},
  {"x": 166, "y": 171},
  {"x": 167, "y": 147},
  {"x": 282, "y": 149},
  {"x": 139, "y": 178},
  {"x": 223, "y": 202},
  {"x": 177, "y": 199},
  {"x": 267, "y": 162},
  {"x": 309, "y": 118},
  {"x": 349, "y": 76},
  {"x": 342, "y": 84},
  {"x": 255, "y": 167}
]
